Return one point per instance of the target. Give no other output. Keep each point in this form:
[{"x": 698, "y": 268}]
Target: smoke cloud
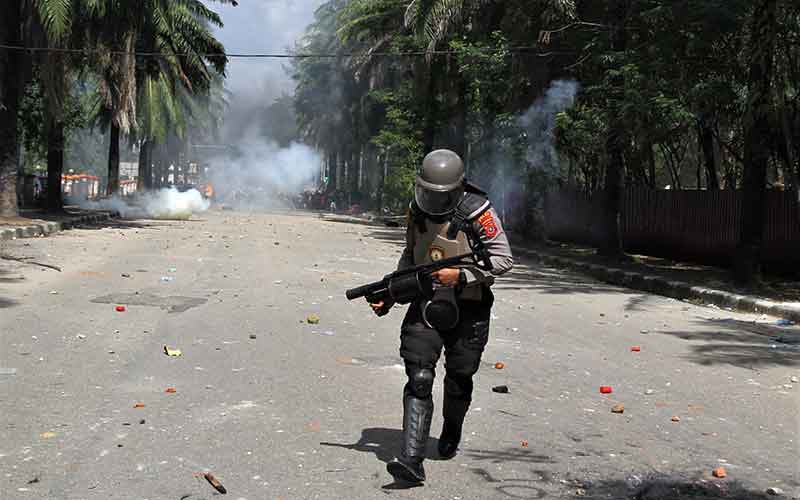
[
  {"x": 540, "y": 120},
  {"x": 165, "y": 204},
  {"x": 264, "y": 175}
]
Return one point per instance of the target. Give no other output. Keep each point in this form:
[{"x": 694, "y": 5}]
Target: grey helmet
[{"x": 440, "y": 183}]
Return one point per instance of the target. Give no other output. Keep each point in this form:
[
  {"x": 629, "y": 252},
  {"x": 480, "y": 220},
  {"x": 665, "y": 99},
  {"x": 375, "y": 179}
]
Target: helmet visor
[{"x": 437, "y": 202}]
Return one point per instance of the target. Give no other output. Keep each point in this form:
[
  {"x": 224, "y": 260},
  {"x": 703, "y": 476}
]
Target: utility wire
[{"x": 64, "y": 50}]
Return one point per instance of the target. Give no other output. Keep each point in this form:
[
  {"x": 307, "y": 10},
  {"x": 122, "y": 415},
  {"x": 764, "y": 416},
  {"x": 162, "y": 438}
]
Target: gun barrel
[{"x": 362, "y": 291}]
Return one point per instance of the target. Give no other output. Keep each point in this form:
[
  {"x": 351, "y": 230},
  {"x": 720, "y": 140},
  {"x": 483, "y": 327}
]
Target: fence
[{"x": 689, "y": 225}]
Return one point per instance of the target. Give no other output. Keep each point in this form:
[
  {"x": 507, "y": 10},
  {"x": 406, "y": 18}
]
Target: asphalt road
[{"x": 277, "y": 408}]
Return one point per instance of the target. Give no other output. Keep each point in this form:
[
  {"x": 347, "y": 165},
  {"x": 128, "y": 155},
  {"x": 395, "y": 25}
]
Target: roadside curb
[
  {"x": 48, "y": 228},
  {"x": 661, "y": 286}
]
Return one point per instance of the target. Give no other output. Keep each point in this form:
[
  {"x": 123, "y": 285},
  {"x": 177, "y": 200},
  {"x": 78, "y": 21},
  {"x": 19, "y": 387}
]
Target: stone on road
[{"x": 284, "y": 389}]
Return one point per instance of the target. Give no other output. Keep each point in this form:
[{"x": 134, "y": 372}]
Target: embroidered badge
[
  {"x": 436, "y": 254},
  {"x": 489, "y": 225}
]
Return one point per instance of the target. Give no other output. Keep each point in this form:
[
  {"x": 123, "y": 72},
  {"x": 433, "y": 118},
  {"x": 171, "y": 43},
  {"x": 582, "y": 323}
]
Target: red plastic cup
[
  {"x": 120, "y": 309},
  {"x": 606, "y": 389}
]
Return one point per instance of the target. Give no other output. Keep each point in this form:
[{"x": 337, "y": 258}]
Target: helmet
[{"x": 440, "y": 183}]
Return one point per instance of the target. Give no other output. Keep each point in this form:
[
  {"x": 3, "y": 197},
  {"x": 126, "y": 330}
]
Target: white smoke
[
  {"x": 162, "y": 204},
  {"x": 265, "y": 175},
  {"x": 540, "y": 120}
]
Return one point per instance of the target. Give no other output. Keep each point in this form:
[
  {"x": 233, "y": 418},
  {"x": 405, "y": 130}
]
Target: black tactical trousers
[{"x": 421, "y": 345}]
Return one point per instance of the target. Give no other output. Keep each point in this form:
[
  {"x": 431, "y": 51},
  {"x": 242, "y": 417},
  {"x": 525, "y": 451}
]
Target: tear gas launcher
[{"x": 407, "y": 285}]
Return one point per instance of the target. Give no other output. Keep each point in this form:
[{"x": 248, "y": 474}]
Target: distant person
[{"x": 333, "y": 206}]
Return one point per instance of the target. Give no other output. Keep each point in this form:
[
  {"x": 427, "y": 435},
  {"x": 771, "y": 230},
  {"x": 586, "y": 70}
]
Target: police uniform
[{"x": 429, "y": 239}]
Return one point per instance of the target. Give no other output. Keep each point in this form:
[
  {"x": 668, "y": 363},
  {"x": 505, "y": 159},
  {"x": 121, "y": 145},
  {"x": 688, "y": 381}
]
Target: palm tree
[
  {"x": 178, "y": 30},
  {"x": 10, "y": 92}
]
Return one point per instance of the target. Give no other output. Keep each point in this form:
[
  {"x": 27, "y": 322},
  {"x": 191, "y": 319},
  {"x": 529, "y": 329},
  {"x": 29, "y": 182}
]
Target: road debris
[
  {"x": 167, "y": 279},
  {"x": 171, "y": 390},
  {"x": 120, "y": 309},
  {"x": 774, "y": 491},
  {"x": 174, "y": 353},
  {"x": 138, "y": 405},
  {"x": 644, "y": 332},
  {"x": 636, "y": 348},
  {"x": 500, "y": 389},
  {"x": 795, "y": 380},
  {"x": 80, "y": 336},
  {"x": 606, "y": 389},
  {"x": 649, "y": 392},
  {"x": 499, "y": 365},
  {"x": 676, "y": 418},
  {"x": 34, "y": 480},
  {"x": 253, "y": 336},
  {"x": 618, "y": 409},
  {"x": 126, "y": 275},
  {"x": 8, "y": 371},
  {"x": 215, "y": 483},
  {"x": 720, "y": 473},
  {"x": 313, "y": 319},
  {"x": 47, "y": 435}
]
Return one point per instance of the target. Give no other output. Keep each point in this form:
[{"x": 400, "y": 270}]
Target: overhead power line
[{"x": 532, "y": 50}]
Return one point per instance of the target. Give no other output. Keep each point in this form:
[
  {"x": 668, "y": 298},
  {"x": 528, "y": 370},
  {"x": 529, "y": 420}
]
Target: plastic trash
[
  {"x": 120, "y": 309},
  {"x": 174, "y": 353},
  {"x": 167, "y": 279},
  {"x": 606, "y": 389}
]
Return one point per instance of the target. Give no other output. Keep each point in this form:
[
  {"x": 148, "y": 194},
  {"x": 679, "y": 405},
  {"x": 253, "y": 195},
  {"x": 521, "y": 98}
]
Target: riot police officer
[{"x": 448, "y": 217}]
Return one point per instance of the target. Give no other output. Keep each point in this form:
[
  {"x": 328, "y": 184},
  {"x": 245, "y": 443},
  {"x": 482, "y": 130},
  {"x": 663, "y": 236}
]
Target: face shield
[{"x": 437, "y": 202}]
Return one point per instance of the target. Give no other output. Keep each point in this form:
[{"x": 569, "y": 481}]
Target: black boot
[
  {"x": 454, "y": 411},
  {"x": 417, "y": 415}
]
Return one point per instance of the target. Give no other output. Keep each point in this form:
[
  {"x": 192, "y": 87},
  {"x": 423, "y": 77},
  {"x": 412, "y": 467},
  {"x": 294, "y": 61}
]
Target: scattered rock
[
  {"x": 126, "y": 275},
  {"x": 500, "y": 389},
  {"x": 253, "y": 336},
  {"x": 499, "y": 365},
  {"x": 618, "y": 409},
  {"x": 676, "y": 419},
  {"x": 774, "y": 491},
  {"x": 524, "y": 444},
  {"x": 720, "y": 473},
  {"x": 644, "y": 332},
  {"x": 649, "y": 392},
  {"x": 34, "y": 480},
  {"x": 795, "y": 380},
  {"x": 313, "y": 319},
  {"x": 215, "y": 483}
]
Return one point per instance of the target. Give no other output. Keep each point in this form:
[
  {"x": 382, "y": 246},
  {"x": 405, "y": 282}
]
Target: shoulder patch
[
  {"x": 473, "y": 205},
  {"x": 488, "y": 224}
]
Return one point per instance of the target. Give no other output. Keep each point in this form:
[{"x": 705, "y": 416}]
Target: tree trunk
[
  {"x": 460, "y": 139},
  {"x": 113, "y": 161},
  {"x": 10, "y": 91},
  {"x": 140, "y": 180},
  {"x": 429, "y": 130},
  {"x": 55, "y": 164},
  {"x": 706, "y": 138},
  {"x": 148, "y": 166},
  {"x": 757, "y": 142},
  {"x": 615, "y": 140}
]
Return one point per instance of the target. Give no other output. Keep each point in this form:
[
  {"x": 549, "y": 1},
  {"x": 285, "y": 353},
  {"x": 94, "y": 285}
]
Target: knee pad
[{"x": 420, "y": 382}]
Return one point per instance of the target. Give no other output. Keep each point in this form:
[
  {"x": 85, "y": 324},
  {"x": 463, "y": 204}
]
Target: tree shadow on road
[
  {"x": 4, "y": 278},
  {"x": 667, "y": 488},
  {"x": 527, "y": 274},
  {"x": 741, "y": 343}
]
